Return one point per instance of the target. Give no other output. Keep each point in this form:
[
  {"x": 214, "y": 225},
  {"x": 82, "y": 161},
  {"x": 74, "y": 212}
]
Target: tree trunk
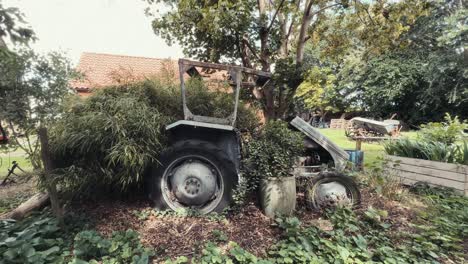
[
  {"x": 36, "y": 202},
  {"x": 263, "y": 33},
  {"x": 2, "y": 43},
  {"x": 48, "y": 167},
  {"x": 306, "y": 19},
  {"x": 283, "y": 50}
]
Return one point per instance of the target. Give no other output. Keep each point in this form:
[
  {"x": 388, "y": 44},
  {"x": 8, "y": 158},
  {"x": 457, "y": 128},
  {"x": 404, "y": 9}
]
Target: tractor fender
[{"x": 224, "y": 137}]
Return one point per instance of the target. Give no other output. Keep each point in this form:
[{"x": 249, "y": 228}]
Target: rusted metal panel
[
  {"x": 340, "y": 157},
  {"x": 373, "y": 125}
]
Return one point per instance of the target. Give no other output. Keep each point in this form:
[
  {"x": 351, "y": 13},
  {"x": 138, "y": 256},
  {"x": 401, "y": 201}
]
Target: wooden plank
[
  {"x": 416, "y": 177},
  {"x": 412, "y": 182},
  {"x": 431, "y": 164},
  {"x": 466, "y": 185},
  {"x": 338, "y": 123},
  {"x": 442, "y": 174}
]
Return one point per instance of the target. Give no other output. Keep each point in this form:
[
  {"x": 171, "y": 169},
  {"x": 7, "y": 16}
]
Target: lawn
[
  {"x": 7, "y": 158},
  {"x": 371, "y": 150}
]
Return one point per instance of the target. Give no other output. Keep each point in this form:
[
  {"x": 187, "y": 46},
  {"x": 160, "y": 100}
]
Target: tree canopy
[
  {"x": 263, "y": 33},
  {"x": 419, "y": 73},
  {"x": 278, "y": 35},
  {"x": 13, "y": 26}
]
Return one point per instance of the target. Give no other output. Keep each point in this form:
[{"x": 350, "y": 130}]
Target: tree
[
  {"x": 12, "y": 27},
  {"x": 255, "y": 33},
  {"x": 413, "y": 67},
  {"x": 318, "y": 90},
  {"x": 32, "y": 89},
  {"x": 424, "y": 77}
]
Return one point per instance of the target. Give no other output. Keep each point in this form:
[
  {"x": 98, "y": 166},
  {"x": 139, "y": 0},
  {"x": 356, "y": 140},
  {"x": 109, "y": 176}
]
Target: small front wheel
[
  {"x": 331, "y": 189},
  {"x": 195, "y": 175}
]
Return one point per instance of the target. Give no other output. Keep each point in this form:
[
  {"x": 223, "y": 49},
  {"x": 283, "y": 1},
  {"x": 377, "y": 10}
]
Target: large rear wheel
[{"x": 195, "y": 175}]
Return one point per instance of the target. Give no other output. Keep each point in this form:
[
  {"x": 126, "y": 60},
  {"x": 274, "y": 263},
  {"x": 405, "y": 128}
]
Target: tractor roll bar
[
  {"x": 188, "y": 66},
  {"x": 225, "y": 67}
]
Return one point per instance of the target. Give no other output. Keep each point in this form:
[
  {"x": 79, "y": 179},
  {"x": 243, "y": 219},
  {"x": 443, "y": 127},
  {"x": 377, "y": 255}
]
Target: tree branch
[
  {"x": 292, "y": 21},
  {"x": 247, "y": 43},
  {"x": 274, "y": 15},
  {"x": 321, "y": 9}
]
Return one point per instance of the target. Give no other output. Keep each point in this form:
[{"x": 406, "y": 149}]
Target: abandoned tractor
[{"x": 201, "y": 168}]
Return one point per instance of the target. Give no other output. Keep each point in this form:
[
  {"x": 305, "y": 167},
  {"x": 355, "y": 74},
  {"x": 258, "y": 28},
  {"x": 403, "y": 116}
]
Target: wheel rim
[
  {"x": 331, "y": 193},
  {"x": 192, "y": 182}
]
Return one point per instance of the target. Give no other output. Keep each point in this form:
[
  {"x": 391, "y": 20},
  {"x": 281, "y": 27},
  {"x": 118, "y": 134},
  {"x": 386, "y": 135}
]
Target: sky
[{"x": 103, "y": 26}]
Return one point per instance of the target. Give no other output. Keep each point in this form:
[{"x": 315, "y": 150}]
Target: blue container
[{"x": 356, "y": 157}]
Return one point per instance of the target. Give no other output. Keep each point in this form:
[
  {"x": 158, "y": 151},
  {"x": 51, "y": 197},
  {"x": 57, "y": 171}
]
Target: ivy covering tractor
[{"x": 201, "y": 168}]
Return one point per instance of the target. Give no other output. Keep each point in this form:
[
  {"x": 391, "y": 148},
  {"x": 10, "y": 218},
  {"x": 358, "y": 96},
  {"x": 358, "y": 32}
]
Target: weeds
[
  {"x": 382, "y": 181},
  {"x": 122, "y": 247},
  {"x": 365, "y": 237}
]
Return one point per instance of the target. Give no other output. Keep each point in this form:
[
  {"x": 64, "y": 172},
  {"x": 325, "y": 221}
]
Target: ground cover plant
[
  {"x": 419, "y": 225},
  {"x": 368, "y": 235}
]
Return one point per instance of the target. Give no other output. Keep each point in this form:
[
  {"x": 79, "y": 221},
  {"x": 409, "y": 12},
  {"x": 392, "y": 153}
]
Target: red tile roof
[{"x": 101, "y": 70}]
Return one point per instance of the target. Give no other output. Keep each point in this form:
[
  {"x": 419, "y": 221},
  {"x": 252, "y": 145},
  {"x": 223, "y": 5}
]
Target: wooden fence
[
  {"x": 434, "y": 173},
  {"x": 339, "y": 123}
]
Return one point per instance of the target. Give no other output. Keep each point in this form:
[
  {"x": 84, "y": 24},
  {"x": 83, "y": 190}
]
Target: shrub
[
  {"x": 274, "y": 151},
  {"x": 110, "y": 138},
  {"x": 448, "y": 132},
  {"x": 436, "y": 141}
]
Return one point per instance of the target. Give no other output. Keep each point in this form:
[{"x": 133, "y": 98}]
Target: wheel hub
[
  {"x": 193, "y": 183},
  {"x": 332, "y": 194}
]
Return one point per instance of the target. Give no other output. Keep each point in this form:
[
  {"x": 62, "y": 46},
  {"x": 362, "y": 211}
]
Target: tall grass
[{"x": 436, "y": 151}]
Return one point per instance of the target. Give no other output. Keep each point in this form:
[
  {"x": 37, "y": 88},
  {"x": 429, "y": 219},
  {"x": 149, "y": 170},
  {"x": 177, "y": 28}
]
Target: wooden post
[
  {"x": 48, "y": 167},
  {"x": 358, "y": 144}
]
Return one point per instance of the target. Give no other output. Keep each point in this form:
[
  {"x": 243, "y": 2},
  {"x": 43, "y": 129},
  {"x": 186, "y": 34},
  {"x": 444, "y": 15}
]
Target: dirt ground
[
  {"x": 16, "y": 191},
  {"x": 171, "y": 235}
]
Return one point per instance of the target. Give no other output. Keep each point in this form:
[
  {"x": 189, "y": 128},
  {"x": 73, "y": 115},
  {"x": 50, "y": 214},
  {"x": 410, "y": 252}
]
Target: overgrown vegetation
[
  {"x": 40, "y": 239},
  {"x": 443, "y": 142},
  {"x": 270, "y": 153},
  {"x": 112, "y": 137},
  {"x": 448, "y": 132},
  {"x": 366, "y": 236},
  {"x": 121, "y": 247},
  {"x": 273, "y": 152}
]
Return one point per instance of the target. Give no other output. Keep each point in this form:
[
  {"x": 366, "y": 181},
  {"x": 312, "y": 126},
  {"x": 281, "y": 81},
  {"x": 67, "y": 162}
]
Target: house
[{"x": 101, "y": 70}]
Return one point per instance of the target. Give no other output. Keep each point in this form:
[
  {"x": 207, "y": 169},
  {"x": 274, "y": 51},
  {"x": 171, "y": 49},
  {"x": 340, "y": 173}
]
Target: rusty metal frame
[{"x": 235, "y": 71}]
